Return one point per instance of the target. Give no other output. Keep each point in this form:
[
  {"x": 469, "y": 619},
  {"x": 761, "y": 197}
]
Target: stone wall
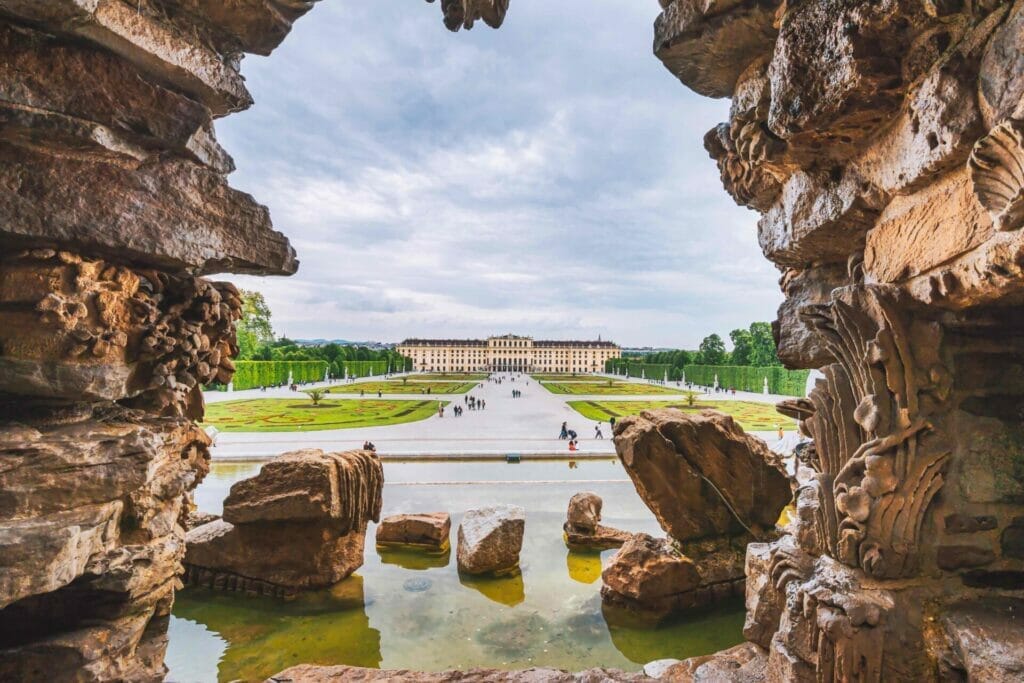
[
  {"x": 882, "y": 143},
  {"x": 115, "y": 206}
]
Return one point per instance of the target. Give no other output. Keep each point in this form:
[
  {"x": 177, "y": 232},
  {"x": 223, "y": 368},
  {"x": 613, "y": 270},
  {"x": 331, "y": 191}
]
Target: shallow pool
[{"x": 406, "y": 610}]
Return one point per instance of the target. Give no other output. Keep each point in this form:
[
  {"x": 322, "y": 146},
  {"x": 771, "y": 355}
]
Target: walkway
[{"x": 527, "y": 426}]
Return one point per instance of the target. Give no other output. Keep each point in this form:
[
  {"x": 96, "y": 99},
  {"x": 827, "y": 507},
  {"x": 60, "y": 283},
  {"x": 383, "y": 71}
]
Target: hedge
[
  {"x": 748, "y": 378},
  {"x": 251, "y": 374},
  {"x": 637, "y": 368}
]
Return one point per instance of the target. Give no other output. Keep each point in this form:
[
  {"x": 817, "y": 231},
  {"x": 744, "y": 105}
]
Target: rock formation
[
  {"x": 583, "y": 528},
  {"x": 115, "y": 203},
  {"x": 883, "y": 145},
  {"x": 305, "y": 673},
  {"x": 428, "y": 530},
  {"x": 713, "y": 490},
  {"x": 298, "y": 524},
  {"x": 490, "y": 539},
  {"x": 464, "y": 13}
]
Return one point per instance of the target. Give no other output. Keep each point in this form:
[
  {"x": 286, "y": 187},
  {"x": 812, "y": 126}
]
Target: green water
[{"x": 403, "y": 609}]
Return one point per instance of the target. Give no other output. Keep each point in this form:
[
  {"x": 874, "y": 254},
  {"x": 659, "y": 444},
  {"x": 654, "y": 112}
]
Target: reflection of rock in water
[
  {"x": 584, "y": 567},
  {"x": 417, "y": 585},
  {"x": 515, "y": 637},
  {"x": 508, "y": 590}
]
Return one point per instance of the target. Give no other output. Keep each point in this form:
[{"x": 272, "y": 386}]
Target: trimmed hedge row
[
  {"x": 636, "y": 368},
  {"x": 748, "y": 378},
  {"x": 363, "y": 368},
  {"x": 251, "y": 374}
]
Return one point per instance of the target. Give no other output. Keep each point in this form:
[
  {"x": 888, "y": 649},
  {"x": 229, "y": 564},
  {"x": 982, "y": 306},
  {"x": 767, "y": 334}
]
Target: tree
[
  {"x": 762, "y": 345},
  {"x": 712, "y": 350},
  {"x": 742, "y": 347},
  {"x": 254, "y": 328},
  {"x": 315, "y": 395}
]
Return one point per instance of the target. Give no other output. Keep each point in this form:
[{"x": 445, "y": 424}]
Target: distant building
[{"x": 508, "y": 353}]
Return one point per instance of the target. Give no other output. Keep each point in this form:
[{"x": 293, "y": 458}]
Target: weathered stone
[
  {"x": 966, "y": 524},
  {"x": 431, "y": 530},
  {"x": 601, "y": 538},
  {"x": 1011, "y": 541},
  {"x": 293, "y": 555},
  {"x": 744, "y": 663},
  {"x": 464, "y": 13},
  {"x": 298, "y": 524},
  {"x": 1001, "y": 72},
  {"x": 707, "y": 44},
  {"x": 584, "y": 513},
  {"x": 307, "y": 673},
  {"x": 764, "y": 602},
  {"x": 648, "y": 575},
  {"x": 700, "y": 474},
  {"x": 490, "y": 539},
  {"x": 953, "y": 557},
  {"x": 798, "y": 345},
  {"x": 121, "y": 213},
  {"x": 152, "y": 47},
  {"x": 310, "y": 485},
  {"x": 987, "y": 638}
]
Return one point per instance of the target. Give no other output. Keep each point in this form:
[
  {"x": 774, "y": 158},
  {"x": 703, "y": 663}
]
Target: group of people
[
  {"x": 368, "y": 446},
  {"x": 516, "y": 393},
  {"x": 573, "y": 438},
  {"x": 473, "y": 403}
]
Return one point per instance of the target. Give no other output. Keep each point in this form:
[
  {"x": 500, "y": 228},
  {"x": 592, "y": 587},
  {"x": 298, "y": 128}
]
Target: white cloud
[{"x": 547, "y": 178}]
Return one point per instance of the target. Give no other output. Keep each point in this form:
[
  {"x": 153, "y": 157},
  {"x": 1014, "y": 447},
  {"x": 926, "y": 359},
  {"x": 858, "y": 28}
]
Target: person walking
[
  {"x": 597, "y": 431},
  {"x": 611, "y": 422},
  {"x": 564, "y": 434}
]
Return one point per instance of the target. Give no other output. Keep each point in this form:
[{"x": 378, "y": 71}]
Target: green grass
[
  {"x": 610, "y": 388},
  {"x": 448, "y": 376},
  {"x": 296, "y": 415},
  {"x": 756, "y": 417},
  {"x": 565, "y": 377},
  {"x": 397, "y": 386}
]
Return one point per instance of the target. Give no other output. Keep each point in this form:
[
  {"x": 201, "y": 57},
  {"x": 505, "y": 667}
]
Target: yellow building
[{"x": 509, "y": 352}]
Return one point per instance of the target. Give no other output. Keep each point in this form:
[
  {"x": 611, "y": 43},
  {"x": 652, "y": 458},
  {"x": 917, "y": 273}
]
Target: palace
[{"x": 508, "y": 353}]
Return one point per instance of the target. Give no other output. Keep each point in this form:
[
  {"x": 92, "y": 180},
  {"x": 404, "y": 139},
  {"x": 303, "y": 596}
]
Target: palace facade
[{"x": 508, "y": 353}]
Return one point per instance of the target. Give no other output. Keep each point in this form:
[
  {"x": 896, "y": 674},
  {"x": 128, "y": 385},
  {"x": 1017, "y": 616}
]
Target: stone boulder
[
  {"x": 647, "y": 575},
  {"x": 583, "y": 530},
  {"x": 490, "y": 539},
  {"x": 428, "y": 530},
  {"x": 299, "y": 524},
  {"x": 701, "y": 475}
]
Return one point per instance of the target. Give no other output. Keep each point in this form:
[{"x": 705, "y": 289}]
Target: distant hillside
[{"x": 344, "y": 342}]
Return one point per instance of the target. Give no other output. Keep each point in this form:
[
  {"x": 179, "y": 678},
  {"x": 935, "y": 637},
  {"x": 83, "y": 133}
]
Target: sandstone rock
[
  {"x": 310, "y": 485},
  {"x": 584, "y": 512},
  {"x": 120, "y": 212},
  {"x": 307, "y": 673},
  {"x": 291, "y": 555},
  {"x": 953, "y": 557},
  {"x": 464, "y": 13},
  {"x": 1011, "y": 541},
  {"x": 431, "y": 530},
  {"x": 797, "y": 343},
  {"x": 957, "y": 523},
  {"x": 745, "y": 663},
  {"x": 700, "y": 474},
  {"x": 298, "y": 524},
  {"x": 602, "y": 538},
  {"x": 490, "y": 539},
  {"x": 987, "y": 639},
  {"x": 648, "y": 575},
  {"x": 706, "y": 44}
]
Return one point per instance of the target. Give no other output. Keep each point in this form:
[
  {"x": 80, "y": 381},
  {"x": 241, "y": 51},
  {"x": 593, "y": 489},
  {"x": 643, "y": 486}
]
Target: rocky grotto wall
[
  {"x": 883, "y": 145},
  {"x": 115, "y": 205}
]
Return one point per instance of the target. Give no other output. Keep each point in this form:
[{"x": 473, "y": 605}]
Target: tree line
[
  {"x": 257, "y": 342},
  {"x": 754, "y": 346}
]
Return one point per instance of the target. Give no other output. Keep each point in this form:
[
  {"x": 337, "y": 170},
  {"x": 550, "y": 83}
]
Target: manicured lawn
[
  {"x": 397, "y": 386},
  {"x": 556, "y": 377},
  {"x": 610, "y": 388},
  {"x": 756, "y": 417},
  {"x": 297, "y": 415},
  {"x": 448, "y": 376}
]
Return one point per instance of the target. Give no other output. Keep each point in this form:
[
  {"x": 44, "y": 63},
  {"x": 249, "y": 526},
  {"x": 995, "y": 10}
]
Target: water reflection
[
  {"x": 414, "y": 559},
  {"x": 505, "y": 590},
  {"x": 583, "y": 567},
  {"x": 325, "y": 627},
  {"x": 409, "y": 609}
]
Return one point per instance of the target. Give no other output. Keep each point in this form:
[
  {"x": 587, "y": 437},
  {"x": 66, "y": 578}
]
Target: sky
[{"x": 546, "y": 179}]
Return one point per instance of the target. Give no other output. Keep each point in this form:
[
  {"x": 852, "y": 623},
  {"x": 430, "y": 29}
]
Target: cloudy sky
[{"x": 545, "y": 179}]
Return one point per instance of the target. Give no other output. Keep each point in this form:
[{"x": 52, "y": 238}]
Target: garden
[
  {"x": 300, "y": 414},
  {"x": 397, "y": 386},
  {"x": 610, "y": 387},
  {"x": 756, "y": 417}
]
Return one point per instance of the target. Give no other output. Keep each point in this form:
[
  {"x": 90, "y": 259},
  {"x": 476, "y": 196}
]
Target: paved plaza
[{"x": 527, "y": 426}]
